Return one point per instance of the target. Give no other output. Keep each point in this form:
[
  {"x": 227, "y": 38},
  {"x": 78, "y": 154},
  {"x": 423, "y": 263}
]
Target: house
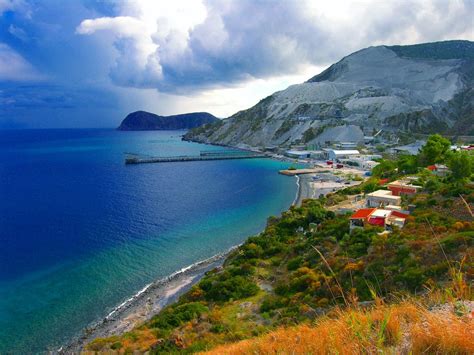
[
  {"x": 396, "y": 219},
  {"x": 400, "y": 187},
  {"x": 438, "y": 169},
  {"x": 377, "y": 217},
  {"x": 334, "y": 154},
  {"x": 360, "y": 217},
  {"x": 382, "y": 198}
]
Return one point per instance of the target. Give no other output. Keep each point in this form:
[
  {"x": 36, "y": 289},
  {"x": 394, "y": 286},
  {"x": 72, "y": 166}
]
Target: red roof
[
  {"x": 383, "y": 181},
  {"x": 431, "y": 167},
  {"x": 398, "y": 214},
  {"x": 377, "y": 221},
  {"x": 363, "y": 213}
]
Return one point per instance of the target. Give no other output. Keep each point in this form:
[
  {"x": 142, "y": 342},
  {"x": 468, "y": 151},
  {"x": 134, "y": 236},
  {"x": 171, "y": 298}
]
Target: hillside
[
  {"x": 146, "y": 121},
  {"x": 408, "y": 327},
  {"x": 420, "y": 88},
  {"x": 279, "y": 279},
  {"x": 308, "y": 269}
]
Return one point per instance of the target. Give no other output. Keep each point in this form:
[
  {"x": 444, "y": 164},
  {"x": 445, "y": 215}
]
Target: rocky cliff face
[
  {"x": 146, "y": 121},
  {"x": 420, "y": 88}
]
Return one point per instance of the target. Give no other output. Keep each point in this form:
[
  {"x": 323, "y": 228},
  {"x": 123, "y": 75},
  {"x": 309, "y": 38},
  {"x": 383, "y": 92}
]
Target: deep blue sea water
[{"x": 80, "y": 232}]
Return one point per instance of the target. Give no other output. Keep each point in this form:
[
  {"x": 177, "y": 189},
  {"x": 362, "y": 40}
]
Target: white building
[
  {"x": 334, "y": 154},
  {"x": 381, "y": 198},
  {"x": 346, "y": 145},
  {"x": 298, "y": 154}
]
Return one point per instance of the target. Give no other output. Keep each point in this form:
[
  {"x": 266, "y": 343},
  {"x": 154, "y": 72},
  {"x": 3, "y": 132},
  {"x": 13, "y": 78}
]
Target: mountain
[
  {"x": 146, "y": 121},
  {"x": 418, "y": 88}
]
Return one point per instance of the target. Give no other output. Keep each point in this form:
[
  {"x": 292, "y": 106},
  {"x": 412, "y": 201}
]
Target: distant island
[{"x": 147, "y": 121}]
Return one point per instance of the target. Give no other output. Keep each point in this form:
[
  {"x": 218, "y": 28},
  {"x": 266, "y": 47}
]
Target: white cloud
[
  {"x": 18, "y": 32},
  {"x": 137, "y": 35},
  {"x": 13, "y": 67},
  {"x": 181, "y": 46},
  {"x": 19, "y": 6}
]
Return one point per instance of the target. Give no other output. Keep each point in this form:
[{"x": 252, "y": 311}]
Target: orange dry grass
[
  {"x": 443, "y": 333},
  {"x": 398, "y": 328},
  {"x": 145, "y": 340}
]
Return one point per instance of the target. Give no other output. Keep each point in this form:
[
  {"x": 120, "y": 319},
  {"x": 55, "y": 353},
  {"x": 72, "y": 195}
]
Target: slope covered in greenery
[{"x": 306, "y": 264}]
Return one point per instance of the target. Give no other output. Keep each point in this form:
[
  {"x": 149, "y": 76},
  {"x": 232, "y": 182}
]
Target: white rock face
[
  {"x": 404, "y": 84},
  {"x": 372, "y": 88}
]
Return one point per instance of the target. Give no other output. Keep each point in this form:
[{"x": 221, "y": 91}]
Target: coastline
[
  {"x": 307, "y": 188},
  {"x": 145, "y": 303},
  {"x": 157, "y": 295}
]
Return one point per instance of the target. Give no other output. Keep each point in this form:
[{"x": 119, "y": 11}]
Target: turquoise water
[{"x": 80, "y": 232}]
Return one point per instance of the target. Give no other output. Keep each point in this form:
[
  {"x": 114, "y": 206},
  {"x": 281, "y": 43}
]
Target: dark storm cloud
[{"x": 246, "y": 39}]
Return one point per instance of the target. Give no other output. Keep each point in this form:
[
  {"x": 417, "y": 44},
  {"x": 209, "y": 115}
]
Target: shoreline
[
  {"x": 307, "y": 188},
  {"x": 160, "y": 293},
  {"x": 145, "y": 304}
]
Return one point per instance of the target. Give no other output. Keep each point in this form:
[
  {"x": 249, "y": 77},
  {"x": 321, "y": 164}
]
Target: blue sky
[{"x": 85, "y": 63}]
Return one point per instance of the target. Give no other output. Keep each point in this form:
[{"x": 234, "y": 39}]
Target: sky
[{"x": 87, "y": 63}]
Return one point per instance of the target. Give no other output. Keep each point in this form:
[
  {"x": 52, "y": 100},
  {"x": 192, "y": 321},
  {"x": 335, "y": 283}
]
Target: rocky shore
[
  {"x": 157, "y": 295},
  {"x": 145, "y": 303}
]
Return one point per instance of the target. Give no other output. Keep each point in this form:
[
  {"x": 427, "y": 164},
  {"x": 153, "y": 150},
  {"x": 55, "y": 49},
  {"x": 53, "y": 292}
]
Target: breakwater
[{"x": 132, "y": 158}]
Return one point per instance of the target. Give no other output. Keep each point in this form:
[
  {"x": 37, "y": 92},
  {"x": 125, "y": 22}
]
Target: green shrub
[
  {"x": 217, "y": 328},
  {"x": 272, "y": 302},
  {"x": 294, "y": 263},
  {"x": 223, "y": 288},
  {"x": 175, "y": 316}
]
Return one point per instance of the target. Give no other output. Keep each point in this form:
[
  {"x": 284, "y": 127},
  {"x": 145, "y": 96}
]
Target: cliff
[{"x": 146, "y": 121}]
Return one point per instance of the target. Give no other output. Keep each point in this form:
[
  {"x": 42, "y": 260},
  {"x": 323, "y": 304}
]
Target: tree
[
  {"x": 407, "y": 164},
  {"x": 385, "y": 169},
  {"x": 461, "y": 165},
  {"x": 435, "y": 149}
]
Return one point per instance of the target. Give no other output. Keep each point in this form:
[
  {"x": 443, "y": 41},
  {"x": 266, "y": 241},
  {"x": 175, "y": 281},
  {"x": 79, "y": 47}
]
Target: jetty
[
  {"x": 132, "y": 158},
  {"x": 293, "y": 172}
]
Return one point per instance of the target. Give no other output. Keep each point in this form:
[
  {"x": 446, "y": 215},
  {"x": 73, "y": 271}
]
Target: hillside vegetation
[
  {"x": 307, "y": 283},
  {"x": 408, "y": 327}
]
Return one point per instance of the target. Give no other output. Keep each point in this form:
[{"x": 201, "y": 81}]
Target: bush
[
  {"x": 413, "y": 278},
  {"x": 294, "y": 263},
  {"x": 217, "y": 328},
  {"x": 224, "y": 288},
  {"x": 174, "y": 316},
  {"x": 272, "y": 302}
]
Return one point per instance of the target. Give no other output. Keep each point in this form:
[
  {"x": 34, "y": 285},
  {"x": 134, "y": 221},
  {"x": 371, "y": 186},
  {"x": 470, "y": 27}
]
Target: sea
[{"x": 80, "y": 231}]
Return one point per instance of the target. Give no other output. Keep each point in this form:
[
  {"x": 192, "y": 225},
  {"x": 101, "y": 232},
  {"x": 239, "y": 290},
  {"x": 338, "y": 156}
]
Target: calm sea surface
[{"x": 80, "y": 232}]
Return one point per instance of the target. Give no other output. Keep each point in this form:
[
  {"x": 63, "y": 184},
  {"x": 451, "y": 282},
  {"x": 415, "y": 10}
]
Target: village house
[
  {"x": 377, "y": 217},
  {"x": 381, "y": 198},
  {"x": 439, "y": 169},
  {"x": 399, "y": 188}
]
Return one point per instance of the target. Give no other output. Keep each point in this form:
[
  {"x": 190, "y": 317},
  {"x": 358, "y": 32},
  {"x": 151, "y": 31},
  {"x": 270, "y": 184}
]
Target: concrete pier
[{"x": 204, "y": 155}]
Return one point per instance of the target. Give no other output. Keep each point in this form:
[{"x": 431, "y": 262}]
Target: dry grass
[{"x": 403, "y": 328}]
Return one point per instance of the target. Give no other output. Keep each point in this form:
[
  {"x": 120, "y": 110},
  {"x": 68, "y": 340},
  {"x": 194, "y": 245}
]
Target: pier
[{"x": 132, "y": 158}]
